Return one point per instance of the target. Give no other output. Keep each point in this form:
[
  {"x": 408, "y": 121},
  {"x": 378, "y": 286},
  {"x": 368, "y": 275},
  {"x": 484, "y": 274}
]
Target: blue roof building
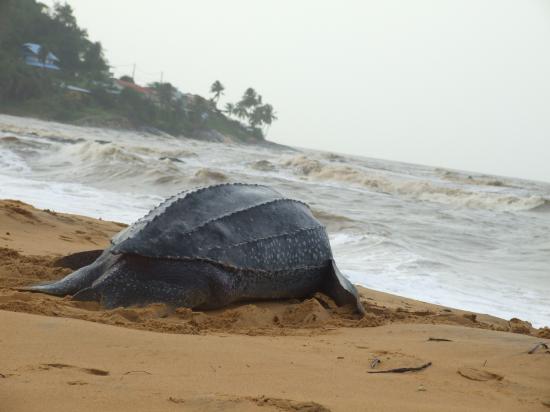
[{"x": 31, "y": 53}]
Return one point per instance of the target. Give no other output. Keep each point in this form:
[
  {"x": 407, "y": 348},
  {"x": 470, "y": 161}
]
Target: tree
[
  {"x": 268, "y": 116},
  {"x": 127, "y": 78},
  {"x": 229, "y": 109},
  {"x": 94, "y": 62},
  {"x": 217, "y": 89},
  {"x": 165, "y": 92},
  {"x": 68, "y": 41},
  {"x": 63, "y": 13},
  {"x": 249, "y": 99},
  {"x": 240, "y": 111},
  {"x": 256, "y": 117}
]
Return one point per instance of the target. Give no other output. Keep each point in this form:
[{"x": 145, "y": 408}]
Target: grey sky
[{"x": 463, "y": 84}]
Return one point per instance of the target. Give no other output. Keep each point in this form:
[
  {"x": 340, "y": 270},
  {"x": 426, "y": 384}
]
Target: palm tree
[
  {"x": 217, "y": 89},
  {"x": 256, "y": 117},
  {"x": 268, "y": 116},
  {"x": 250, "y": 98},
  {"x": 229, "y": 109},
  {"x": 240, "y": 111}
]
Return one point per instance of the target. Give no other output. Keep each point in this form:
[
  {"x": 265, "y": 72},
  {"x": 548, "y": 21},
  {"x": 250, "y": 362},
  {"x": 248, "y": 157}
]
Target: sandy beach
[{"x": 309, "y": 355}]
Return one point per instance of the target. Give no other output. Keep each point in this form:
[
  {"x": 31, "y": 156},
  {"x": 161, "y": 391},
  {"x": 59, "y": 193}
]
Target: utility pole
[
  {"x": 161, "y": 77},
  {"x": 134, "y": 72}
]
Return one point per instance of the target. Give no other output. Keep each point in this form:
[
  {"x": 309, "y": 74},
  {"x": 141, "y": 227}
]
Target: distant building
[
  {"x": 31, "y": 55},
  {"x": 120, "y": 85}
]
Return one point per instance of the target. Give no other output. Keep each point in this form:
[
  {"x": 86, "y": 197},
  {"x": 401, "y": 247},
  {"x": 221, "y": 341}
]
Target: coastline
[{"x": 265, "y": 356}]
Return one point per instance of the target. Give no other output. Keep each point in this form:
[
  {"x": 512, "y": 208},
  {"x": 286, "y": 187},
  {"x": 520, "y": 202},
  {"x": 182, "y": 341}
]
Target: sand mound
[{"x": 44, "y": 232}]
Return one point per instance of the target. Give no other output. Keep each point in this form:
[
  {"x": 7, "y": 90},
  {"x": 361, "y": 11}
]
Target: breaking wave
[
  {"x": 208, "y": 176},
  {"x": 414, "y": 188}
]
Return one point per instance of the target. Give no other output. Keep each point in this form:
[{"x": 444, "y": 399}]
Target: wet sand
[{"x": 56, "y": 354}]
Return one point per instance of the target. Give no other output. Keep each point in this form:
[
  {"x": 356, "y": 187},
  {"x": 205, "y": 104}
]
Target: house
[
  {"x": 31, "y": 55},
  {"x": 119, "y": 85}
]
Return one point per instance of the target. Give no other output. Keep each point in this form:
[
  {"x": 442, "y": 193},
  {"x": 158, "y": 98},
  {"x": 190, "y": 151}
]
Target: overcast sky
[{"x": 462, "y": 84}]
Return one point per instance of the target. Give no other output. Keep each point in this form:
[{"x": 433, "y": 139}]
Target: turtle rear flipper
[
  {"x": 79, "y": 279},
  {"x": 339, "y": 288}
]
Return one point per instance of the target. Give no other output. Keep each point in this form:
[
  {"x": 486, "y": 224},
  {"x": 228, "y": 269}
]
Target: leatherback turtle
[{"x": 209, "y": 247}]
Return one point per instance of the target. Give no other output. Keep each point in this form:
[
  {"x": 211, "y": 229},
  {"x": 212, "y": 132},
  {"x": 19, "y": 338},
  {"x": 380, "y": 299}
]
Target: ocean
[{"x": 460, "y": 239}]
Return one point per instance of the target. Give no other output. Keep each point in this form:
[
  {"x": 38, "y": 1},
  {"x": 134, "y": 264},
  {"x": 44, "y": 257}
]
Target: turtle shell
[{"x": 241, "y": 225}]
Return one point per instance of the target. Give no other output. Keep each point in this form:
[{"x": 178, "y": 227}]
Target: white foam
[
  {"x": 385, "y": 266},
  {"x": 11, "y": 162},
  {"x": 78, "y": 199}
]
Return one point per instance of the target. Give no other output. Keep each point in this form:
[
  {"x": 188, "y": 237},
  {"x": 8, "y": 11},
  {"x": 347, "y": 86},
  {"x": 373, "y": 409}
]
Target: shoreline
[{"x": 257, "y": 356}]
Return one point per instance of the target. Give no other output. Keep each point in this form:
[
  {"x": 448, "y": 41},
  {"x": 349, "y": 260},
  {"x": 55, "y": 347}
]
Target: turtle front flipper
[{"x": 339, "y": 288}]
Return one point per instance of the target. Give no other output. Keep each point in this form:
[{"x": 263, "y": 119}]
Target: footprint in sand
[
  {"x": 246, "y": 404},
  {"x": 479, "y": 375}
]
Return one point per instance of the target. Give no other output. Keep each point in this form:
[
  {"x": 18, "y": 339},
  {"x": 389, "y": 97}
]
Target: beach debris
[
  {"x": 537, "y": 346},
  {"x": 421, "y": 388},
  {"x": 79, "y": 383},
  {"x": 2, "y": 375},
  {"x": 546, "y": 403},
  {"x": 375, "y": 362},
  {"x": 403, "y": 370},
  {"x": 287, "y": 404},
  {"x": 132, "y": 372},
  {"x": 478, "y": 375},
  {"x": 470, "y": 316},
  {"x": 91, "y": 371},
  {"x": 439, "y": 340}
]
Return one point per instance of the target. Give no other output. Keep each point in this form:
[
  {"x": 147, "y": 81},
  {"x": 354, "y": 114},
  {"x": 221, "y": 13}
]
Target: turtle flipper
[
  {"x": 67, "y": 286},
  {"x": 339, "y": 288},
  {"x": 79, "y": 279}
]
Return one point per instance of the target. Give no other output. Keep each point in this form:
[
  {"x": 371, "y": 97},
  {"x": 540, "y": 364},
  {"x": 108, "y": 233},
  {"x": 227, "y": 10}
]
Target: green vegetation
[
  {"x": 217, "y": 88},
  {"x": 83, "y": 90},
  {"x": 260, "y": 116}
]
